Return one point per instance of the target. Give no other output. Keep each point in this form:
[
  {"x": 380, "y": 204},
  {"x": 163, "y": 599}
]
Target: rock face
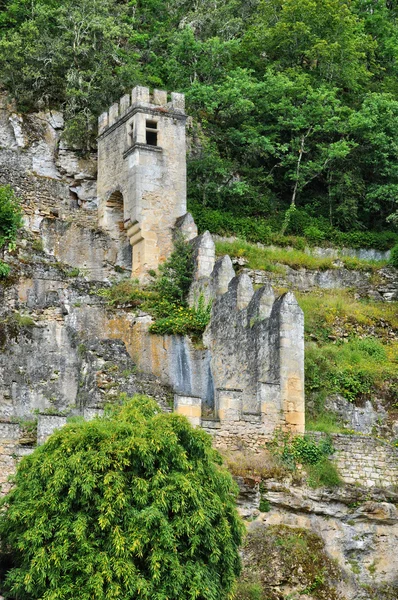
[
  {"x": 62, "y": 352},
  {"x": 362, "y": 419},
  {"x": 357, "y": 529},
  {"x": 386, "y": 288}
]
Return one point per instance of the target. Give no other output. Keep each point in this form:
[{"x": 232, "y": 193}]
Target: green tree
[
  {"x": 324, "y": 38},
  {"x": 132, "y": 505},
  {"x": 375, "y": 128},
  {"x": 71, "y": 55}
]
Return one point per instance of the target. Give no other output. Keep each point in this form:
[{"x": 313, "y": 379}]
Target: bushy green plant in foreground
[{"x": 131, "y": 505}]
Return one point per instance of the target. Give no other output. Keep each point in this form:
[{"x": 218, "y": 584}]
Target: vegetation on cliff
[
  {"x": 295, "y": 103},
  {"x": 134, "y": 504},
  {"x": 286, "y": 562},
  {"x": 10, "y": 223},
  {"x": 165, "y": 298}
]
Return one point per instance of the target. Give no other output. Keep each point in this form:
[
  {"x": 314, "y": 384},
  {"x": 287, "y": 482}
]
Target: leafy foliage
[
  {"x": 176, "y": 273},
  {"x": 294, "y": 450},
  {"x": 394, "y": 256},
  {"x": 10, "y": 223},
  {"x": 166, "y": 297},
  {"x": 10, "y": 216},
  {"x": 4, "y": 269},
  {"x": 294, "y": 102},
  {"x": 184, "y": 320},
  {"x": 134, "y": 504}
]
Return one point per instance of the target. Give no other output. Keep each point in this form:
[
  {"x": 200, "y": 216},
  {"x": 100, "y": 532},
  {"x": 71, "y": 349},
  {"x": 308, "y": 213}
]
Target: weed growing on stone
[
  {"x": 4, "y": 269},
  {"x": 293, "y": 451},
  {"x": 10, "y": 223},
  {"x": 271, "y": 258},
  {"x": 10, "y": 217},
  {"x": 246, "y": 463},
  {"x": 165, "y": 299},
  {"x": 37, "y": 245},
  {"x": 277, "y": 557},
  {"x": 184, "y": 320}
]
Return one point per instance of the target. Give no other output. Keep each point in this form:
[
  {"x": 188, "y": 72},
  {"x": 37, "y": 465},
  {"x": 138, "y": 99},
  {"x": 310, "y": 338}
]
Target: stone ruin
[
  {"x": 249, "y": 380},
  {"x": 254, "y": 355},
  {"x": 142, "y": 173}
]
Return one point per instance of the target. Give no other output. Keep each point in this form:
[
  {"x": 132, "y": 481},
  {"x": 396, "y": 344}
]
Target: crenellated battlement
[{"x": 141, "y": 98}]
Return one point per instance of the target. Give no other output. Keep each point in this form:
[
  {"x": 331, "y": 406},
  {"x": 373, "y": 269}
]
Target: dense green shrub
[
  {"x": 302, "y": 230},
  {"x": 224, "y": 223},
  {"x": 294, "y": 450},
  {"x": 364, "y": 239},
  {"x": 175, "y": 274},
  {"x": 10, "y": 216},
  {"x": 355, "y": 369},
  {"x": 131, "y": 505},
  {"x": 127, "y": 292},
  {"x": 10, "y": 223},
  {"x": 4, "y": 269},
  {"x": 394, "y": 256},
  {"x": 184, "y": 320}
]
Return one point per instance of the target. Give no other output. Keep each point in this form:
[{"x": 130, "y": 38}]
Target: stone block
[
  {"x": 124, "y": 104},
  {"x": 160, "y": 97},
  {"x": 261, "y": 304},
  {"x": 178, "y": 101},
  {"x": 187, "y": 226},
  {"x": 221, "y": 276},
  {"x": 46, "y": 425},
  {"x": 204, "y": 255},
  {"x": 102, "y": 122},
  {"x": 229, "y": 404},
  {"x": 113, "y": 113},
  {"x": 190, "y": 407},
  {"x": 140, "y": 95}
]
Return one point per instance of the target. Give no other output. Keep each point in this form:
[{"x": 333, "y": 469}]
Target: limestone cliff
[{"x": 63, "y": 352}]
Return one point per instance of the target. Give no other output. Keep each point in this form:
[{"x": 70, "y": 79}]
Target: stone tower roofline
[{"x": 141, "y": 100}]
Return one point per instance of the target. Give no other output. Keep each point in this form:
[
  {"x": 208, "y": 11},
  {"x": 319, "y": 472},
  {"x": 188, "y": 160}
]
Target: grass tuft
[{"x": 270, "y": 259}]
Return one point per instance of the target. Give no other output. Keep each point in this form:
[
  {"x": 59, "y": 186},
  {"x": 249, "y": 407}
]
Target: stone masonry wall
[{"x": 365, "y": 460}]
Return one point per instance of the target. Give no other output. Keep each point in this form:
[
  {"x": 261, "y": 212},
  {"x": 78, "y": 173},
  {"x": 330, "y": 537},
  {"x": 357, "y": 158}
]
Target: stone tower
[{"x": 142, "y": 173}]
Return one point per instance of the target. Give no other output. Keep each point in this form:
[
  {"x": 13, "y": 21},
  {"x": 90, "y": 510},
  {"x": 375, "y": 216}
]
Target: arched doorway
[
  {"x": 114, "y": 219},
  {"x": 115, "y": 213}
]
